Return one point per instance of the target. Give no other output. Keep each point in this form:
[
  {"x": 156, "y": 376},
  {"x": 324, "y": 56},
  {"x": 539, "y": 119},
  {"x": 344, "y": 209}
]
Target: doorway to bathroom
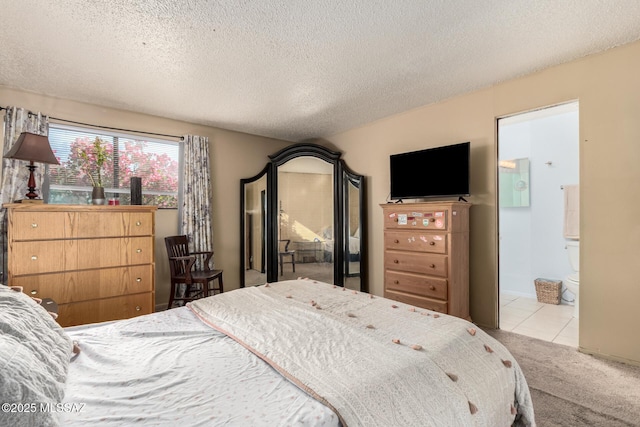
[{"x": 538, "y": 178}]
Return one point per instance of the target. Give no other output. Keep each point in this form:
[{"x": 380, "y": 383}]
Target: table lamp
[{"x": 32, "y": 148}]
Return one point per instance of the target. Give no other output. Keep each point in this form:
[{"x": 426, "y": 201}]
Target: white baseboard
[{"x": 161, "y": 307}]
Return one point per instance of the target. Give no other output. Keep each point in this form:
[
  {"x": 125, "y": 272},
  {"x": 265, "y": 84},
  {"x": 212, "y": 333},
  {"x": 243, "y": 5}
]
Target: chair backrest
[
  {"x": 176, "y": 246},
  {"x": 283, "y": 245}
]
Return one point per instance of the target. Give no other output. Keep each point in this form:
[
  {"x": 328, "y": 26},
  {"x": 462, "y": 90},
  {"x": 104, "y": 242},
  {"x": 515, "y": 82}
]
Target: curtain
[
  {"x": 195, "y": 193},
  {"x": 14, "y": 172}
]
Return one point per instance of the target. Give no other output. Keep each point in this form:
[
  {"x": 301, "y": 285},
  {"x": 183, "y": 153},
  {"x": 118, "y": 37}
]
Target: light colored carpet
[{"x": 570, "y": 388}]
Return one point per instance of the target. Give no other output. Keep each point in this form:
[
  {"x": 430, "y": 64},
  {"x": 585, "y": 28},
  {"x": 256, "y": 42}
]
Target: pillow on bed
[{"x": 34, "y": 357}]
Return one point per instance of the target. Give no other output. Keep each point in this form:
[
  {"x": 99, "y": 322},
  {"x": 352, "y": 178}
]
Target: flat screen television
[{"x": 434, "y": 172}]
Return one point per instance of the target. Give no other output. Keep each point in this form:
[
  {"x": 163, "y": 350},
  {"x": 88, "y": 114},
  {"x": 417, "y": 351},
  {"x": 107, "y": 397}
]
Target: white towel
[{"x": 572, "y": 211}]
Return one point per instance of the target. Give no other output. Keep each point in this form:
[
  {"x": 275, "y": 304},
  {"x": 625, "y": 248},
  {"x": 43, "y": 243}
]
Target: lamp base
[{"x": 34, "y": 201}]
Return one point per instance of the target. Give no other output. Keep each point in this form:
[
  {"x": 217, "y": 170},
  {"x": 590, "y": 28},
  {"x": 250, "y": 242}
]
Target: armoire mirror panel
[
  {"x": 253, "y": 199},
  {"x": 309, "y": 205},
  {"x": 353, "y": 241},
  {"x": 305, "y": 219}
]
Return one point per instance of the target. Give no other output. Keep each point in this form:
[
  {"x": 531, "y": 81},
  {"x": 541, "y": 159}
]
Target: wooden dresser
[
  {"x": 96, "y": 262},
  {"x": 426, "y": 255}
]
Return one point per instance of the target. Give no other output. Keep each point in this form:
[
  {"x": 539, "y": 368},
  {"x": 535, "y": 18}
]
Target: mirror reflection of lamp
[{"x": 32, "y": 148}]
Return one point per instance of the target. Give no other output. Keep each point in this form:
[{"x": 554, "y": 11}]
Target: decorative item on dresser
[
  {"x": 96, "y": 262},
  {"x": 32, "y": 148},
  {"x": 92, "y": 163},
  {"x": 426, "y": 255}
]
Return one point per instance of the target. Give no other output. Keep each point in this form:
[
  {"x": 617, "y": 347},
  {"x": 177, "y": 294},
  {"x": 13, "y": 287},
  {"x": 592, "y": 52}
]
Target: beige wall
[
  {"x": 234, "y": 156},
  {"x": 608, "y": 88}
]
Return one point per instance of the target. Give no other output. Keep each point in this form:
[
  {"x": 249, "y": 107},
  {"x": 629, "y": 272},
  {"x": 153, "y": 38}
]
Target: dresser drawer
[
  {"x": 405, "y": 219},
  {"x": 51, "y": 256},
  {"x": 89, "y": 284},
  {"x": 415, "y": 284},
  {"x": 429, "y": 304},
  {"x": 26, "y": 225},
  {"x": 417, "y": 241},
  {"x": 36, "y": 225},
  {"x": 102, "y": 253},
  {"x": 47, "y": 256},
  {"x": 106, "y": 309},
  {"x": 112, "y": 224},
  {"x": 415, "y": 262}
]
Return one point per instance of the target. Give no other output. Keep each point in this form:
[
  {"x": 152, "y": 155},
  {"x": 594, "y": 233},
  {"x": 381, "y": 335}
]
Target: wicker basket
[{"x": 548, "y": 291}]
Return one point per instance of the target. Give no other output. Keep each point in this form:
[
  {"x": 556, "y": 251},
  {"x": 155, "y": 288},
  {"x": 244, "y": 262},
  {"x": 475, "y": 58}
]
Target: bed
[
  {"x": 328, "y": 244},
  {"x": 296, "y": 352}
]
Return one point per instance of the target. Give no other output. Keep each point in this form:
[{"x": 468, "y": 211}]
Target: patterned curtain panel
[
  {"x": 195, "y": 214},
  {"x": 14, "y": 172}
]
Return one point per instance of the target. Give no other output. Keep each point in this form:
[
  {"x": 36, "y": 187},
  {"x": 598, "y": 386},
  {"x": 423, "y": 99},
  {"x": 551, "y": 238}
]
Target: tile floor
[{"x": 549, "y": 322}]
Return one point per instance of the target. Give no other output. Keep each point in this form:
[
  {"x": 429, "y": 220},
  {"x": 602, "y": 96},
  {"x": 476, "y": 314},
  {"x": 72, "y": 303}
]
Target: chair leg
[
  {"x": 281, "y": 262},
  {"x": 220, "y": 288},
  {"x": 293, "y": 262},
  {"x": 172, "y": 295},
  {"x": 205, "y": 290}
]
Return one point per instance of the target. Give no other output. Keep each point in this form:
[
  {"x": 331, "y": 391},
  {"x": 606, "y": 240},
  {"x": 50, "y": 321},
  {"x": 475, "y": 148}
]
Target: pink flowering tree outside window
[{"x": 157, "y": 164}]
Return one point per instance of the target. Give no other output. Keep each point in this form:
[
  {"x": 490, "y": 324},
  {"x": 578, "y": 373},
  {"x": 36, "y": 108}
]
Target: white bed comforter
[
  {"x": 170, "y": 369},
  {"x": 375, "y": 361}
]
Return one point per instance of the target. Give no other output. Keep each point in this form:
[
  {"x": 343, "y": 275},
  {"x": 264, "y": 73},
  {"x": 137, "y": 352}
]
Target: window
[{"x": 154, "y": 160}]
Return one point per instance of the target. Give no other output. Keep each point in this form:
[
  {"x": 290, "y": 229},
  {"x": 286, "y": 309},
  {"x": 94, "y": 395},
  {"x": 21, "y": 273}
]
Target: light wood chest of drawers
[
  {"x": 426, "y": 255},
  {"x": 96, "y": 262}
]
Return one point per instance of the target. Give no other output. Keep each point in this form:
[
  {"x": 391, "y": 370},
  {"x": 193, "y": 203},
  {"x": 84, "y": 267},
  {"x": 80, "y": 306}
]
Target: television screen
[{"x": 434, "y": 172}]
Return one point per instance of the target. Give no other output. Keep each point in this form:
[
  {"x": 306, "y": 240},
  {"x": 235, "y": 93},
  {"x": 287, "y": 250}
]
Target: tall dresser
[
  {"x": 426, "y": 255},
  {"x": 96, "y": 262}
]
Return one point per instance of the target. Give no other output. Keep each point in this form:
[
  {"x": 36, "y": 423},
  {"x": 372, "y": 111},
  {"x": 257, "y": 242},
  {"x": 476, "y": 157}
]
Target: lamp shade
[{"x": 33, "y": 148}]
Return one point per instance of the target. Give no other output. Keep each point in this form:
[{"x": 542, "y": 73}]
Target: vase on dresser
[{"x": 97, "y": 196}]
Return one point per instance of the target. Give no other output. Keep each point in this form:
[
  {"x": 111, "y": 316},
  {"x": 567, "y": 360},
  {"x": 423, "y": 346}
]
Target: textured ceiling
[{"x": 293, "y": 69}]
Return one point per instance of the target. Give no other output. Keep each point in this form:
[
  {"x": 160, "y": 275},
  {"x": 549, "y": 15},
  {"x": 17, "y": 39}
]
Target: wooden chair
[
  {"x": 198, "y": 282},
  {"x": 283, "y": 251}
]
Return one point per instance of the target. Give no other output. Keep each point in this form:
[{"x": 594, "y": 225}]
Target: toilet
[{"x": 572, "y": 281}]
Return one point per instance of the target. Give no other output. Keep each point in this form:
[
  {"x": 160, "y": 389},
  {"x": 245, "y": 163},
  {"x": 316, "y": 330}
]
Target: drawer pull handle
[
  {"x": 396, "y": 241},
  {"x": 432, "y": 288},
  {"x": 396, "y": 282},
  {"x": 432, "y": 243},
  {"x": 395, "y": 261},
  {"x": 34, "y": 292},
  {"x": 138, "y": 308},
  {"x": 138, "y": 250},
  {"x": 34, "y": 225},
  {"x": 432, "y": 265},
  {"x": 34, "y": 258},
  {"x": 138, "y": 223},
  {"x": 138, "y": 279}
]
